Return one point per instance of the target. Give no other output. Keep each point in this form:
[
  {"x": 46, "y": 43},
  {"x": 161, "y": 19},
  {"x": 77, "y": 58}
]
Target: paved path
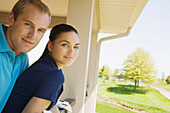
[{"x": 162, "y": 91}]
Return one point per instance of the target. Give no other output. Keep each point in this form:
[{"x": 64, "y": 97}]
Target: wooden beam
[
  {"x": 54, "y": 20},
  {"x": 57, "y": 20},
  {"x": 3, "y": 17}
]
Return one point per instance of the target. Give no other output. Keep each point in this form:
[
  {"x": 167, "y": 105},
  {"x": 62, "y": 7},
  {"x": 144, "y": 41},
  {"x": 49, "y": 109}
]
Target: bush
[{"x": 168, "y": 80}]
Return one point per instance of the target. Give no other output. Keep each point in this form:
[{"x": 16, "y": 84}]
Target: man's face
[{"x": 28, "y": 29}]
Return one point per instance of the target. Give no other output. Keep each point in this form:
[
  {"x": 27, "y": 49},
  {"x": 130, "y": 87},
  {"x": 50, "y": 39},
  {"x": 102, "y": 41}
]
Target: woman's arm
[
  {"x": 54, "y": 109},
  {"x": 36, "y": 105}
]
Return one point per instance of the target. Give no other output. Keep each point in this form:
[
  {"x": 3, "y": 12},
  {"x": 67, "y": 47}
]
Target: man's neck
[{"x": 6, "y": 32}]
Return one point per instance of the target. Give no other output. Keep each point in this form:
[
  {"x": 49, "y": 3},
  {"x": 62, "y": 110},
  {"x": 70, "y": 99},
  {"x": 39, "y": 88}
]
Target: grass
[
  {"x": 164, "y": 86},
  {"x": 107, "y": 108},
  {"x": 145, "y": 98}
]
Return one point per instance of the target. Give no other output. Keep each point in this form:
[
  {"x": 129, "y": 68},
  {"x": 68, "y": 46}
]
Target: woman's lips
[{"x": 68, "y": 57}]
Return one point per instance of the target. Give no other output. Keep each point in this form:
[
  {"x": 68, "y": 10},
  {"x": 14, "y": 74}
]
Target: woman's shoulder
[
  {"x": 45, "y": 63},
  {"x": 45, "y": 69}
]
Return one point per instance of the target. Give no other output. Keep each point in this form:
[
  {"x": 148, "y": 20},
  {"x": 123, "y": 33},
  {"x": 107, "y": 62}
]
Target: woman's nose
[{"x": 70, "y": 50}]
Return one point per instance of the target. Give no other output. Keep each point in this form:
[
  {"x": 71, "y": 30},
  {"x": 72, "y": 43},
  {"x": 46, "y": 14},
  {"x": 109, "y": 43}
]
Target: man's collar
[{"x": 4, "y": 47}]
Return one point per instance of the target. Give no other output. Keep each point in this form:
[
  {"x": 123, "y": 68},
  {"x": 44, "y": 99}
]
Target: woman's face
[{"x": 65, "y": 49}]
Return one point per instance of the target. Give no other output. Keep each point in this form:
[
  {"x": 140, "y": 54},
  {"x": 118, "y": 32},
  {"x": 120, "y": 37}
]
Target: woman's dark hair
[{"x": 55, "y": 33}]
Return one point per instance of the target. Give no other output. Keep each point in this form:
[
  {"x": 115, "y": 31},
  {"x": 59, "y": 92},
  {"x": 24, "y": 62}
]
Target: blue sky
[{"x": 150, "y": 32}]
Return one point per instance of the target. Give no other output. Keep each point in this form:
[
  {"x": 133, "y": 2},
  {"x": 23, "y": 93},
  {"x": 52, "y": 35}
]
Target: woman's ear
[
  {"x": 10, "y": 18},
  {"x": 49, "y": 45}
]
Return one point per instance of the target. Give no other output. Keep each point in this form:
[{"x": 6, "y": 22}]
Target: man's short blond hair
[{"x": 22, "y": 4}]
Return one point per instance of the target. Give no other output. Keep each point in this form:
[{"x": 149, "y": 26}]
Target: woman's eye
[
  {"x": 64, "y": 45},
  {"x": 76, "y": 47}
]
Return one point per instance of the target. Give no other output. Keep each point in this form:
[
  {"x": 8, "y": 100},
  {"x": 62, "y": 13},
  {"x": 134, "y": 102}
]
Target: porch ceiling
[
  {"x": 117, "y": 15},
  {"x": 110, "y": 16}
]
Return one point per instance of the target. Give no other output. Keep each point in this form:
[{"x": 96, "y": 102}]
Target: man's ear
[
  {"x": 49, "y": 45},
  {"x": 10, "y": 18}
]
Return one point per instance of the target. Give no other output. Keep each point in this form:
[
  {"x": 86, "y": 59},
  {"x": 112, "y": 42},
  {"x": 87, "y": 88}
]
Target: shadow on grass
[{"x": 127, "y": 89}]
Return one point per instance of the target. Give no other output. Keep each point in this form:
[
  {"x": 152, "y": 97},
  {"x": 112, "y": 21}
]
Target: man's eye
[
  {"x": 41, "y": 31},
  {"x": 27, "y": 24}
]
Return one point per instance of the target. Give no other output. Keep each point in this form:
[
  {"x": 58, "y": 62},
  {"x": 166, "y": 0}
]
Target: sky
[{"x": 150, "y": 32}]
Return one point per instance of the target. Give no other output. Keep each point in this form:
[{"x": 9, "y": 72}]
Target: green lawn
[
  {"x": 107, "y": 108},
  {"x": 164, "y": 86},
  {"x": 145, "y": 98}
]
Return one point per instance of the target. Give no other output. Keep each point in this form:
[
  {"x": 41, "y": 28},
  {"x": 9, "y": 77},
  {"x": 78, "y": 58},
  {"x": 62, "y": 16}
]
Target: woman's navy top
[{"x": 43, "y": 79}]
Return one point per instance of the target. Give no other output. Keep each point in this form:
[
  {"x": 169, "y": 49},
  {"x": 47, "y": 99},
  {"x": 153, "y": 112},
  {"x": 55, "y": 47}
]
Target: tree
[
  {"x": 116, "y": 72},
  {"x": 163, "y": 77},
  {"x": 105, "y": 72},
  {"x": 139, "y": 66},
  {"x": 168, "y": 80}
]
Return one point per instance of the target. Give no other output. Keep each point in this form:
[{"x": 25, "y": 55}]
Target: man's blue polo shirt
[
  {"x": 11, "y": 67},
  {"x": 43, "y": 80}
]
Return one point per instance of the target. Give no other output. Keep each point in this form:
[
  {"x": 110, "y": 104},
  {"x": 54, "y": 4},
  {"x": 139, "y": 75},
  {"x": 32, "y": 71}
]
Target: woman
[{"x": 40, "y": 86}]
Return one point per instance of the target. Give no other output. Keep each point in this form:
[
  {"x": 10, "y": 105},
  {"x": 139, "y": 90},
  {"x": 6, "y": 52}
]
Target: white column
[
  {"x": 92, "y": 77},
  {"x": 80, "y": 15}
]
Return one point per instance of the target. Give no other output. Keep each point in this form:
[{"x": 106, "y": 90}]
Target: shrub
[{"x": 168, "y": 80}]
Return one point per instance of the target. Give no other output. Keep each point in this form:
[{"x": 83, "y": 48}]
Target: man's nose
[{"x": 32, "y": 33}]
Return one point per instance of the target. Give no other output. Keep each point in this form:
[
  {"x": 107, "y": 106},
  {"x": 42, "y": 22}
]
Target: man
[{"x": 28, "y": 21}]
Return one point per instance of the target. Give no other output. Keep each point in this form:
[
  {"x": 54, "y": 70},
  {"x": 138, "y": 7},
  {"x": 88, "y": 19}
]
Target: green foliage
[
  {"x": 163, "y": 78},
  {"x": 168, "y": 80},
  {"x": 153, "y": 79},
  {"x": 105, "y": 72},
  {"x": 116, "y": 72},
  {"x": 139, "y": 66}
]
